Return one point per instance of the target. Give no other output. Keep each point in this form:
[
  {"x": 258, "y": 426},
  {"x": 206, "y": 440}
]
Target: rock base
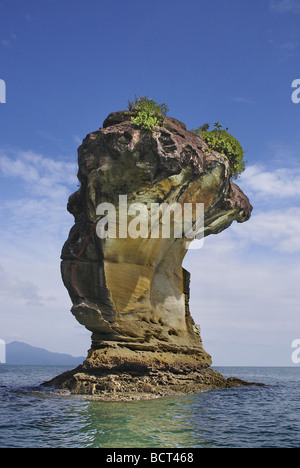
[{"x": 121, "y": 374}]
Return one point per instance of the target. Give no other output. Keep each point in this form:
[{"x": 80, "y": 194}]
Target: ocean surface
[{"x": 247, "y": 417}]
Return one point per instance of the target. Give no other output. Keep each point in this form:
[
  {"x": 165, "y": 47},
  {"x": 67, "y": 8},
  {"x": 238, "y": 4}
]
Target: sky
[{"x": 66, "y": 66}]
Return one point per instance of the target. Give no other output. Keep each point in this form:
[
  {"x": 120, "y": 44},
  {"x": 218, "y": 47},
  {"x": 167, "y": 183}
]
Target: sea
[{"x": 32, "y": 416}]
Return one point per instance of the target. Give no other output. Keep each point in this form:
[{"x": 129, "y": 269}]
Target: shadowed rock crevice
[{"x": 132, "y": 293}]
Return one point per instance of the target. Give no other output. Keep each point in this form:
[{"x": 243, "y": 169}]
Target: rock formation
[{"x": 132, "y": 293}]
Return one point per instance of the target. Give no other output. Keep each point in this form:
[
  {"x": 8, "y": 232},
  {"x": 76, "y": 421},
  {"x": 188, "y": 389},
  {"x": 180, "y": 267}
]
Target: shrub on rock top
[
  {"x": 147, "y": 113},
  {"x": 220, "y": 140}
]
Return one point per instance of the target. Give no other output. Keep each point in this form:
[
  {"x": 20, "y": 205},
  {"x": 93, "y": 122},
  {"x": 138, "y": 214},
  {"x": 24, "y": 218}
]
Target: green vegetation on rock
[
  {"x": 220, "y": 140},
  {"x": 147, "y": 113}
]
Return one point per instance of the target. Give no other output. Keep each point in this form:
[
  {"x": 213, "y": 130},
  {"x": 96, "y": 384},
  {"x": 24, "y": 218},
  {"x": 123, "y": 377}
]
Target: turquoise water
[{"x": 32, "y": 417}]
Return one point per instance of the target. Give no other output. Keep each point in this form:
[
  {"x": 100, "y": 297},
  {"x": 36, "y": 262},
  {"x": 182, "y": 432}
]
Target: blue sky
[{"x": 66, "y": 66}]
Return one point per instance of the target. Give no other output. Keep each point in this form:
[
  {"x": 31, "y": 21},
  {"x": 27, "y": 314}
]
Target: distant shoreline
[{"x": 18, "y": 353}]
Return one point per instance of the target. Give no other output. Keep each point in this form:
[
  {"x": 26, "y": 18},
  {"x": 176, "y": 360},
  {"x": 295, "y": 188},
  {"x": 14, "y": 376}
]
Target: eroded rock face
[{"x": 132, "y": 293}]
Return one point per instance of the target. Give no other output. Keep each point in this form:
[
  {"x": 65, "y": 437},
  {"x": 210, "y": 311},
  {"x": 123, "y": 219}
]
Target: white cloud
[
  {"x": 247, "y": 303},
  {"x": 275, "y": 229},
  {"x": 34, "y": 211},
  {"x": 34, "y": 224},
  {"x": 77, "y": 139},
  {"x": 280, "y": 183},
  {"x": 46, "y": 176},
  {"x": 8, "y": 42},
  {"x": 284, "y": 6},
  {"x": 288, "y": 46},
  {"x": 18, "y": 290},
  {"x": 275, "y": 221}
]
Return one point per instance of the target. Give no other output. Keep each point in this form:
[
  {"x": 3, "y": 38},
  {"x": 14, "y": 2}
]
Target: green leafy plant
[
  {"x": 220, "y": 140},
  {"x": 147, "y": 113}
]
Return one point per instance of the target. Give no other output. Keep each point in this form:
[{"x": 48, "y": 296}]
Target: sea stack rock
[{"x": 131, "y": 291}]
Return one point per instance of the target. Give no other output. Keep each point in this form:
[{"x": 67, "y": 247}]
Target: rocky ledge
[
  {"x": 119, "y": 374},
  {"x": 131, "y": 292}
]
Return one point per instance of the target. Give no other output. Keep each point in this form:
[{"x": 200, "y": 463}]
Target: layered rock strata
[{"x": 131, "y": 292}]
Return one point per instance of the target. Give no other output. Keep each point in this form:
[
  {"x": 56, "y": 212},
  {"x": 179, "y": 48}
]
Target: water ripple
[{"x": 239, "y": 417}]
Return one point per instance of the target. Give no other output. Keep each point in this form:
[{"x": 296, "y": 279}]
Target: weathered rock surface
[
  {"x": 132, "y": 293},
  {"x": 119, "y": 374}
]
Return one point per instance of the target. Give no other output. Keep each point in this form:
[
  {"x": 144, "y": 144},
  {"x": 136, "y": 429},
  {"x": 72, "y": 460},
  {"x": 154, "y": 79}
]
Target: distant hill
[{"x": 24, "y": 354}]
